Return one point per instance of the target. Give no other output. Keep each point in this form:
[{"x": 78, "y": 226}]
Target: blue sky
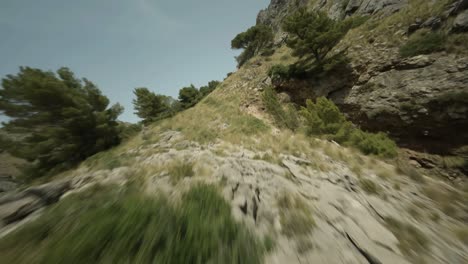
[{"x": 123, "y": 44}]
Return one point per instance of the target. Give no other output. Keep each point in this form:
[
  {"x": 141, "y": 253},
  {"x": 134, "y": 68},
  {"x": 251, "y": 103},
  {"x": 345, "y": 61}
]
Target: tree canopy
[
  {"x": 150, "y": 106},
  {"x": 189, "y": 96},
  {"x": 253, "y": 41},
  {"x": 313, "y": 34},
  {"x": 65, "y": 119},
  {"x": 207, "y": 89}
]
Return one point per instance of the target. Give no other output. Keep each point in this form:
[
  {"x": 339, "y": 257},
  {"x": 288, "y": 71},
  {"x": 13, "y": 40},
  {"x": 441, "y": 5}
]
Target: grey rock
[
  {"x": 457, "y": 7},
  {"x": 284, "y": 98},
  {"x": 16, "y": 206},
  {"x": 352, "y": 6},
  {"x": 416, "y": 62},
  {"x": 413, "y": 28},
  {"x": 460, "y": 24},
  {"x": 19, "y": 209},
  {"x": 433, "y": 23},
  {"x": 50, "y": 192},
  {"x": 7, "y": 183}
]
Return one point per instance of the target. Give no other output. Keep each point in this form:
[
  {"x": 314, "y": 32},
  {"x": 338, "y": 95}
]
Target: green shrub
[
  {"x": 286, "y": 118},
  {"x": 325, "y": 118},
  {"x": 287, "y": 72},
  {"x": 279, "y": 71},
  {"x": 128, "y": 228},
  {"x": 376, "y": 144},
  {"x": 322, "y": 117},
  {"x": 423, "y": 43}
]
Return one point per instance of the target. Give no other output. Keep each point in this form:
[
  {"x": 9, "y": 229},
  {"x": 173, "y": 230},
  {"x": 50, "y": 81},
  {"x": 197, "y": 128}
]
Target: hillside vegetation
[{"x": 293, "y": 158}]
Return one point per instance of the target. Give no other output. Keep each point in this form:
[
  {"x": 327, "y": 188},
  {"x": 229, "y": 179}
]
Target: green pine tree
[
  {"x": 253, "y": 41},
  {"x": 152, "y": 107},
  {"x": 189, "y": 96},
  {"x": 312, "y": 35},
  {"x": 65, "y": 119},
  {"x": 206, "y": 90}
]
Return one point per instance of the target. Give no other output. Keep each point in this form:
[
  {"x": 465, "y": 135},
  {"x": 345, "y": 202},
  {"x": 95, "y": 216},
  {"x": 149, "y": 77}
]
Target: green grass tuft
[
  {"x": 285, "y": 117},
  {"x": 423, "y": 43},
  {"x": 107, "y": 226}
]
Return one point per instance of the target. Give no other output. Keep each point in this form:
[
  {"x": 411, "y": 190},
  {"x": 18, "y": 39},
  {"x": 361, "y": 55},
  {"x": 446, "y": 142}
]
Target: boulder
[
  {"x": 16, "y": 206},
  {"x": 457, "y": 7},
  {"x": 416, "y": 62},
  {"x": 7, "y": 183},
  {"x": 460, "y": 24},
  {"x": 433, "y": 23},
  {"x": 352, "y": 6}
]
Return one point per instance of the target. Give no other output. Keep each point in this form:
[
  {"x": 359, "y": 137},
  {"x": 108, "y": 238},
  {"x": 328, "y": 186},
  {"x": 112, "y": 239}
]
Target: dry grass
[
  {"x": 447, "y": 200},
  {"x": 462, "y": 234},
  {"x": 413, "y": 242},
  {"x": 296, "y": 216},
  {"x": 369, "y": 186},
  {"x": 179, "y": 170},
  {"x": 404, "y": 168},
  {"x": 421, "y": 9}
]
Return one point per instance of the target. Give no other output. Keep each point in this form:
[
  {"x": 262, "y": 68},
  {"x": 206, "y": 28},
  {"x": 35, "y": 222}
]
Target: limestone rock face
[
  {"x": 421, "y": 101},
  {"x": 336, "y": 9}
]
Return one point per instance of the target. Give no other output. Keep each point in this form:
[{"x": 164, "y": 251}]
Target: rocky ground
[{"x": 316, "y": 210}]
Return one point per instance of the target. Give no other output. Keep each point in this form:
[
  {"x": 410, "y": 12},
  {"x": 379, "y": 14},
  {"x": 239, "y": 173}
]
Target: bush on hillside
[
  {"x": 256, "y": 40},
  {"x": 65, "y": 119},
  {"x": 279, "y": 72},
  {"x": 209, "y": 88},
  {"x": 189, "y": 96},
  {"x": 324, "y": 118},
  {"x": 285, "y": 118},
  {"x": 375, "y": 144},
  {"x": 286, "y": 72},
  {"x": 128, "y": 228},
  {"x": 423, "y": 43}
]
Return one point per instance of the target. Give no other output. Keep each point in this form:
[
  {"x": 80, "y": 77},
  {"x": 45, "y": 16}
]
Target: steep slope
[
  {"x": 317, "y": 201},
  {"x": 421, "y": 100},
  {"x": 310, "y": 200}
]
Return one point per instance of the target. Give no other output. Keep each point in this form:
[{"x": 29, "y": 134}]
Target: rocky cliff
[{"x": 421, "y": 101}]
